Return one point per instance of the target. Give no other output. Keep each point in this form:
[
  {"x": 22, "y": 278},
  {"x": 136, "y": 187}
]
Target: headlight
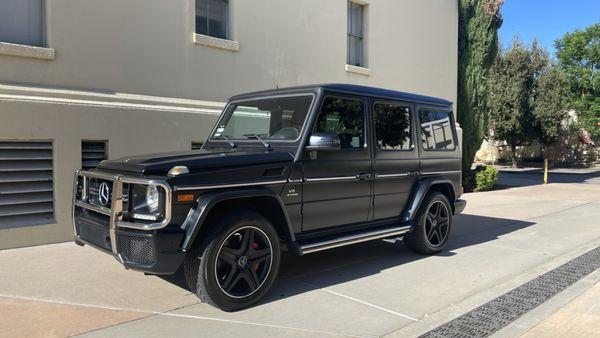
[
  {"x": 146, "y": 202},
  {"x": 152, "y": 198}
]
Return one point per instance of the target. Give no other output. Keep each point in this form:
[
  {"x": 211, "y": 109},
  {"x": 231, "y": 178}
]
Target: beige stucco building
[{"x": 103, "y": 79}]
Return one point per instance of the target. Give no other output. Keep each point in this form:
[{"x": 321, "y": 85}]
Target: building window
[
  {"x": 26, "y": 183},
  {"x": 392, "y": 126},
  {"x": 212, "y": 18},
  {"x": 22, "y": 22},
  {"x": 355, "y": 34},
  {"x": 436, "y": 130},
  {"x": 197, "y": 145},
  {"x": 92, "y": 153}
]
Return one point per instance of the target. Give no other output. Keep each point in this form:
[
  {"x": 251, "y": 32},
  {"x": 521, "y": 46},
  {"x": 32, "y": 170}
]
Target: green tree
[
  {"x": 578, "y": 54},
  {"x": 478, "y": 25},
  {"x": 549, "y": 104},
  {"x": 512, "y": 84}
]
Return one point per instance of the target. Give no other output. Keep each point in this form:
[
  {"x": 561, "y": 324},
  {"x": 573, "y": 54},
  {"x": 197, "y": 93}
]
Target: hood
[{"x": 195, "y": 160}]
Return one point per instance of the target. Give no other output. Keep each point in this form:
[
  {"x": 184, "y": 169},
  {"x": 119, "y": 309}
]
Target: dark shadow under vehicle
[{"x": 329, "y": 268}]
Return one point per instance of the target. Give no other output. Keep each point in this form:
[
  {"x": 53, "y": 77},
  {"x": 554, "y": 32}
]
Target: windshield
[{"x": 276, "y": 118}]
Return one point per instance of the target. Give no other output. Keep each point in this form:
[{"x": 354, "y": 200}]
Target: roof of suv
[{"x": 358, "y": 89}]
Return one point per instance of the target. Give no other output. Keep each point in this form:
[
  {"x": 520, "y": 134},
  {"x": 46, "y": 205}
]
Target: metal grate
[
  {"x": 138, "y": 250},
  {"x": 26, "y": 189},
  {"x": 498, "y": 313},
  {"x": 92, "y": 153},
  {"x": 273, "y": 172},
  {"x": 197, "y": 145}
]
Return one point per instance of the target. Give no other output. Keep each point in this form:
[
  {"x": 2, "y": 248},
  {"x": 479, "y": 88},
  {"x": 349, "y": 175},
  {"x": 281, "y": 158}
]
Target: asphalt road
[{"x": 504, "y": 238}]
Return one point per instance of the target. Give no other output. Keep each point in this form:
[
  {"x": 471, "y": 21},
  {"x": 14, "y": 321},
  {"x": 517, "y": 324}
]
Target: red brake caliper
[{"x": 255, "y": 246}]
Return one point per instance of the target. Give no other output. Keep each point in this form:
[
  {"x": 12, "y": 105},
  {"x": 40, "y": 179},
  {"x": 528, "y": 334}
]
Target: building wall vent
[
  {"x": 26, "y": 183},
  {"x": 92, "y": 153}
]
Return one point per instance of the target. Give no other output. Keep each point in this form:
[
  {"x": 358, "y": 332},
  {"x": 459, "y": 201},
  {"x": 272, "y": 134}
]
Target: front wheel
[
  {"x": 432, "y": 227},
  {"x": 235, "y": 267}
]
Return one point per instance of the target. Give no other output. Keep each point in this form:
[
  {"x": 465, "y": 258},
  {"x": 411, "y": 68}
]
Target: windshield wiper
[
  {"x": 231, "y": 143},
  {"x": 268, "y": 146}
]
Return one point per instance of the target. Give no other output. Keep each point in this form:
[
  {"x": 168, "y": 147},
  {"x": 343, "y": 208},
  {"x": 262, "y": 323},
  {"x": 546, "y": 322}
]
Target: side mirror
[{"x": 324, "y": 142}]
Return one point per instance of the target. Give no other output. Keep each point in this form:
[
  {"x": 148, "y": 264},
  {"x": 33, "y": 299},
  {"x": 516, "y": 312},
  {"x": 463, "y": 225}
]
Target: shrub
[
  {"x": 485, "y": 178},
  {"x": 468, "y": 180}
]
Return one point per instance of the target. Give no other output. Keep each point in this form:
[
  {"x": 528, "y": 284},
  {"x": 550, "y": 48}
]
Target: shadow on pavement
[
  {"x": 530, "y": 177},
  {"x": 344, "y": 264}
]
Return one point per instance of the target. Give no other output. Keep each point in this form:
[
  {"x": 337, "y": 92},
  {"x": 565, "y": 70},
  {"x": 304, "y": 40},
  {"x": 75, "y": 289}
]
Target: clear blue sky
[{"x": 546, "y": 20}]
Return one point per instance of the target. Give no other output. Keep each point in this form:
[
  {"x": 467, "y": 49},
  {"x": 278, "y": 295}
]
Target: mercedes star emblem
[{"x": 103, "y": 194}]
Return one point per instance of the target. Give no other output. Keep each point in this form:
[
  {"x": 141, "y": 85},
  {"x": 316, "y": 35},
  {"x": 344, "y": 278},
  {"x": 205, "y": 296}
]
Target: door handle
[
  {"x": 364, "y": 176},
  {"x": 412, "y": 173}
]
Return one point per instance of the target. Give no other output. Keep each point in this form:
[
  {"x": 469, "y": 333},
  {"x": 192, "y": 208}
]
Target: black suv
[{"x": 302, "y": 169}]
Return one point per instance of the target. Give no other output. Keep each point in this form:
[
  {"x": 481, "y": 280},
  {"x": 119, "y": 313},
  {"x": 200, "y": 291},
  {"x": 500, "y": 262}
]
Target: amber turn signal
[{"x": 185, "y": 198}]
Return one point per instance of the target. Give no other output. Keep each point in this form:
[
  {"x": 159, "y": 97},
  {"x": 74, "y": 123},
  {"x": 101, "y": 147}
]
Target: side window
[
  {"x": 436, "y": 130},
  {"x": 392, "y": 126},
  {"x": 344, "y": 117}
]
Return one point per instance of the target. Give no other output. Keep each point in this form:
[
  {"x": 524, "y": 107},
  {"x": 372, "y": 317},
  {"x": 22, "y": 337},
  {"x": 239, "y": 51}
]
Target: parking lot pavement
[{"x": 505, "y": 238}]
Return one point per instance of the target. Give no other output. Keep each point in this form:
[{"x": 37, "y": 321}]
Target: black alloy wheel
[
  {"x": 432, "y": 225},
  {"x": 437, "y": 223},
  {"x": 243, "y": 262},
  {"x": 234, "y": 263}
]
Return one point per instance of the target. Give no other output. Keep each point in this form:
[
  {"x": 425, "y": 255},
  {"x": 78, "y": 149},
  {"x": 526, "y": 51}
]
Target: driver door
[{"x": 337, "y": 188}]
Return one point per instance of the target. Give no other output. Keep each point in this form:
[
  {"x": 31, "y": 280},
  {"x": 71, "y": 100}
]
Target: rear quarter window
[{"x": 436, "y": 130}]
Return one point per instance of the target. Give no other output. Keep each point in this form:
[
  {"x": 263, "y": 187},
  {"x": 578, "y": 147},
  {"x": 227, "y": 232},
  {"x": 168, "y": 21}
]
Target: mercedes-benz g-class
[{"x": 302, "y": 169}]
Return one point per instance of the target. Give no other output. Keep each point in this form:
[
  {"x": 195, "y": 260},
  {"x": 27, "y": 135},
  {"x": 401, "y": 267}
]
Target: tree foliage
[
  {"x": 578, "y": 54},
  {"x": 549, "y": 104},
  {"x": 479, "y": 21},
  {"x": 527, "y": 96}
]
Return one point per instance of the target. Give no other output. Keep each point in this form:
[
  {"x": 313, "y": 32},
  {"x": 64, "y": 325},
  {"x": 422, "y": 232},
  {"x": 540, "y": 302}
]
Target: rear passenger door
[{"x": 396, "y": 158}]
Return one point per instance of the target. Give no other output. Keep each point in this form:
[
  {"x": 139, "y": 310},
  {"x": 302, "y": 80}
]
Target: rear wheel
[
  {"x": 234, "y": 268},
  {"x": 431, "y": 230}
]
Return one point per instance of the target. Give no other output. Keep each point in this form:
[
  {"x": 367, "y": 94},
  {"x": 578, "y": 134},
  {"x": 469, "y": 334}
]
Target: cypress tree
[{"x": 479, "y": 21}]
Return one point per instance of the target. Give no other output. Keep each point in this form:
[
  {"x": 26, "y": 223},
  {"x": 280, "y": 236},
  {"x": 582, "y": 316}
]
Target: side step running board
[{"x": 347, "y": 239}]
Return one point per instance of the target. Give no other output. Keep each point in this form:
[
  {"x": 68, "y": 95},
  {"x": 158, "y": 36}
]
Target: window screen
[
  {"x": 355, "y": 34},
  {"x": 26, "y": 184},
  {"x": 344, "y": 117},
  {"x": 436, "y": 130},
  {"x": 21, "y": 22},
  {"x": 92, "y": 153},
  {"x": 212, "y": 18},
  {"x": 392, "y": 126}
]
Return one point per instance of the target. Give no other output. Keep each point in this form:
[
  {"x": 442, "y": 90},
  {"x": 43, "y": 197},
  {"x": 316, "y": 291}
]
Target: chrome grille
[{"x": 94, "y": 192}]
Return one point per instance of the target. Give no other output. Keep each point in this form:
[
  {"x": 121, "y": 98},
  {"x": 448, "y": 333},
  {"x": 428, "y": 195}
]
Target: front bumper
[
  {"x": 151, "y": 248},
  {"x": 151, "y": 252},
  {"x": 459, "y": 206}
]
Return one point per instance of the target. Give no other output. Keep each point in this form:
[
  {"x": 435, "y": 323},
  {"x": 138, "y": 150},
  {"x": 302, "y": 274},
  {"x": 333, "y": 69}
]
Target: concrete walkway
[{"x": 504, "y": 239}]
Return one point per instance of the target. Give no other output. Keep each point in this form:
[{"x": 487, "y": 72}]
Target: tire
[
  {"x": 431, "y": 230},
  {"x": 235, "y": 263}
]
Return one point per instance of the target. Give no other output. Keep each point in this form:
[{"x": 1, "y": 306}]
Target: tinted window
[
  {"x": 392, "y": 126},
  {"x": 344, "y": 117},
  {"x": 436, "y": 130}
]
